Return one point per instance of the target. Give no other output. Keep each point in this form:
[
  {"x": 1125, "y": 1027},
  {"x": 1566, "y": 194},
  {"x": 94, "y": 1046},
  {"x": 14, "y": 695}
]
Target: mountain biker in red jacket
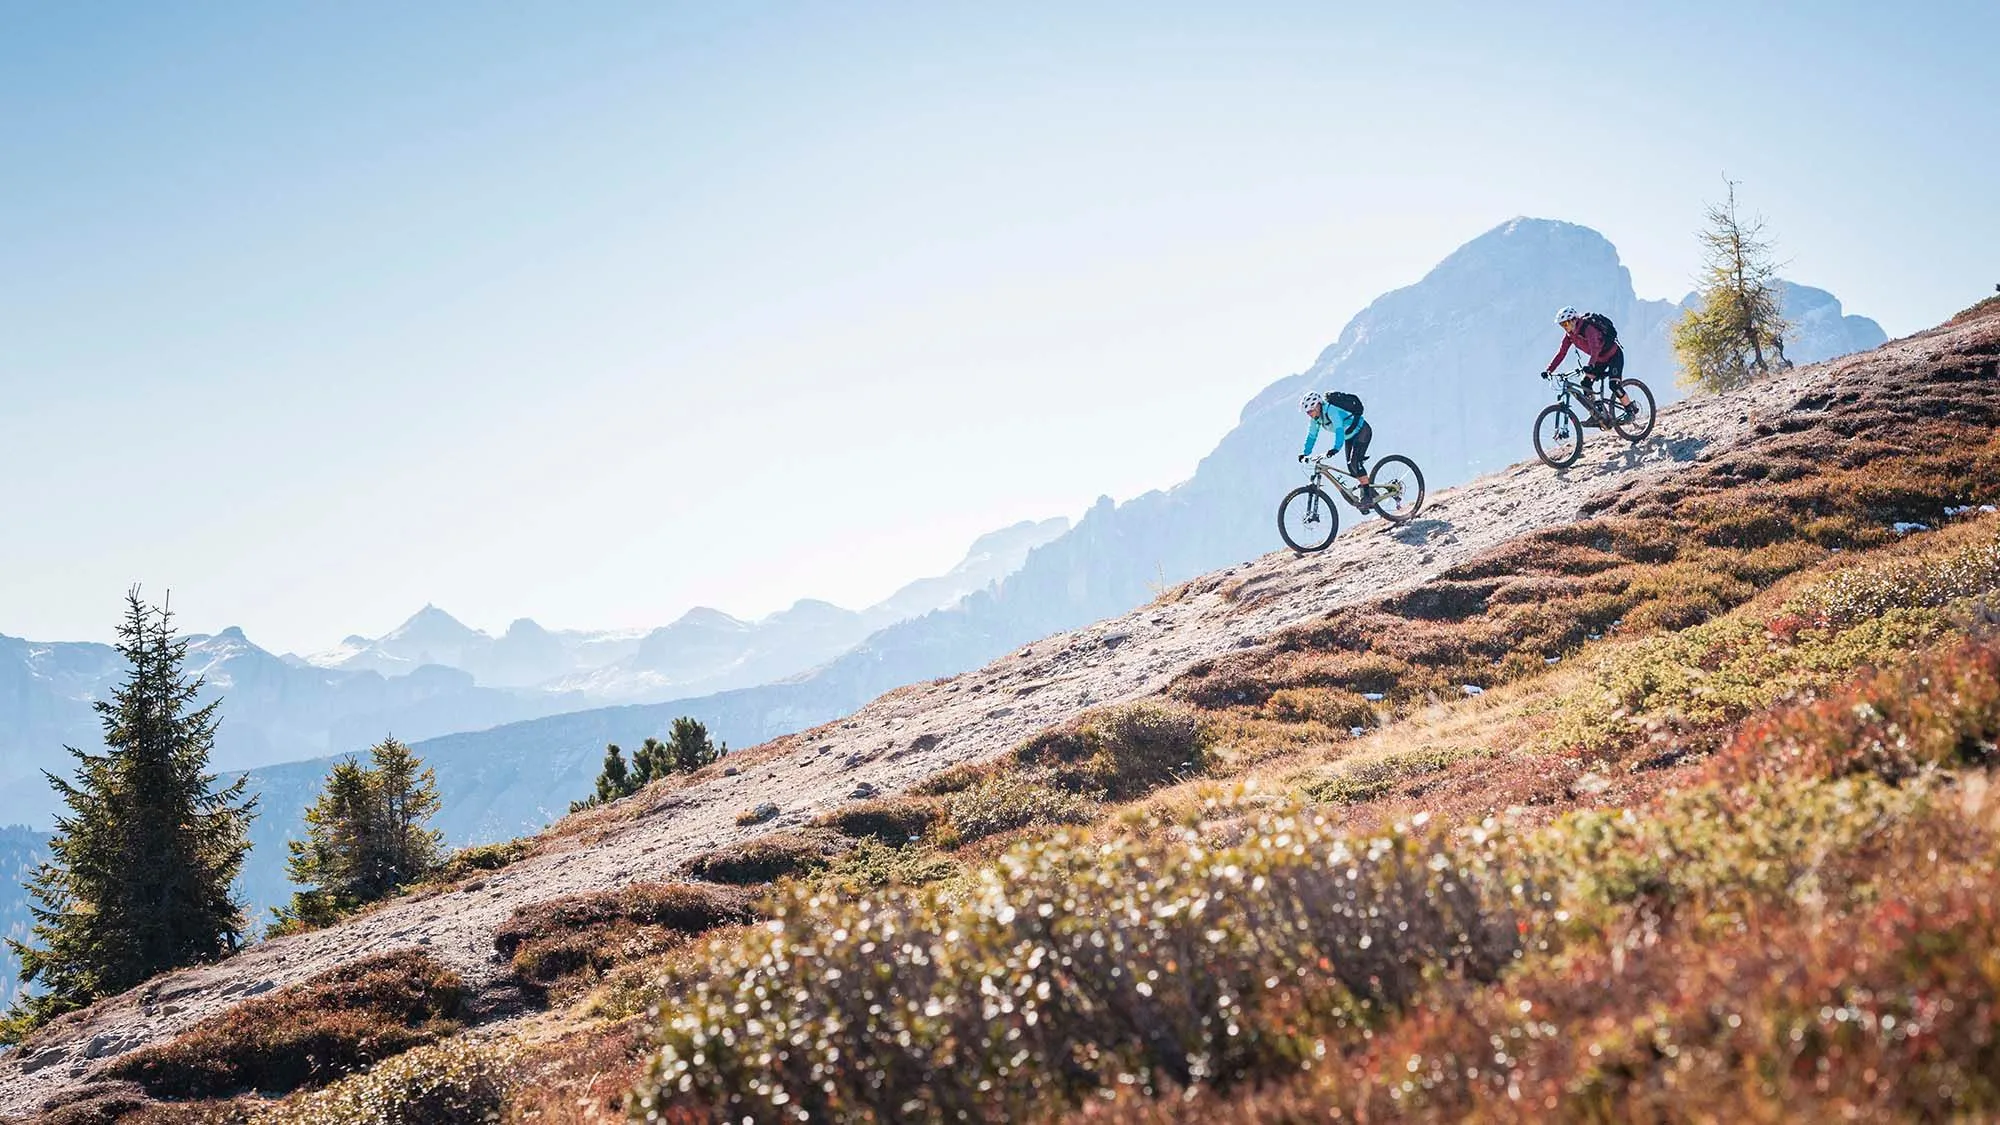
[{"x": 1601, "y": 348}]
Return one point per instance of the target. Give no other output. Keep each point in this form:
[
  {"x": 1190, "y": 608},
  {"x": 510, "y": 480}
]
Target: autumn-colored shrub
[
  {"x": 1364, "y": 778},
  {"x": 872, "y": 865},
  {"x": 1942, "y": 710},
  {"x": 1073, "y": 969},
  {"x": 1013, "y": 799},
  {"x": 1330, "y": 707},
  {"x": 1120, "y": 751},
  {"x": 766, "y": 858},
  {"x": 455, "y": 1082},
  {"x": 957, "y": 779},
  {"x": 308, "y": 1034},
  {"x": 589, "y": 933},
  {"x": 891, "y": 819}
]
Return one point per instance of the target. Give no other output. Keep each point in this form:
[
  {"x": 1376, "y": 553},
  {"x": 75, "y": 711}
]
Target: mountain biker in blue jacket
[{"x": 1348, "y": 429}]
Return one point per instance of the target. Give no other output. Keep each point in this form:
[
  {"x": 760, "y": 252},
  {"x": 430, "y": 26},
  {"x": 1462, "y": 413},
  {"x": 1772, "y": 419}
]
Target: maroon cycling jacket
[{"x": 1588, "y": 340}]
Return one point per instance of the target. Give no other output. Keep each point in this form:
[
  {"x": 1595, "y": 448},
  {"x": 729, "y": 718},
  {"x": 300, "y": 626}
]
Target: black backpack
[
  {"x": 1603, "y": 325},
  {"x": 1346, "y": 401}
]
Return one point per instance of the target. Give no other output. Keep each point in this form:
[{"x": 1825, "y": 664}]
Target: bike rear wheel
[
  {"x": 1641, "y": 423},
  {"x": 1558, "y": 436},
  {"x": 1307, "y": 519},
  {"x": 1399, "y": 488}
]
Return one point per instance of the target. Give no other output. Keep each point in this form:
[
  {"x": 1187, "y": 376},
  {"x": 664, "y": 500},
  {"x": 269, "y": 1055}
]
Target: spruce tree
[
  {"x": 367, "y": 836},
  {"x": 138, "y": 880},
  {"x": 332, "y": 862},
  {"x": 1735, "y": 331},
  {"x": 406, "y": 796}
]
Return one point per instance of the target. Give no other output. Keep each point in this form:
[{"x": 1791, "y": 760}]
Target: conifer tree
[
  {"x": 687, "y": 749},
  {"x": 650, "y": 762},
  {"x": 367, "y": 835},
  {"x": 138, "y": 880},
  {"x": 406, "y": 796},
  {"x": 614, "y": 780},
  {"x": 331, "y": 862},
  {"x": 1736, "y": 329},
  {"x": 690, "y": 745}
]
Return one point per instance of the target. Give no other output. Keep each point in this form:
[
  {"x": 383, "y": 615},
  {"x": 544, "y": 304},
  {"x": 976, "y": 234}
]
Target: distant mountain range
[
  {"x": 433, "y": 675},
  {"x": 705, "y": 650}
]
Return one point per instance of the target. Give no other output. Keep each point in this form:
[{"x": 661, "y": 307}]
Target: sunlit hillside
[{"x": 1678, "y": 808}]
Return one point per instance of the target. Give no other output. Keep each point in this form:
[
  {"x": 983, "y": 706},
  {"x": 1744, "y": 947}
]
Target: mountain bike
[
  {"x": 1559, "y": 429},
  {"x": 1308, "y": 519}
]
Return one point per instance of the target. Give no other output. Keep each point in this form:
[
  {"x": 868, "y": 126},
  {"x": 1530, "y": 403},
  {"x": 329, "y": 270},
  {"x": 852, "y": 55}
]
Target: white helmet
[
  {"x": 1566, "y": 314},
  {"x": 1310, "y": 400}
]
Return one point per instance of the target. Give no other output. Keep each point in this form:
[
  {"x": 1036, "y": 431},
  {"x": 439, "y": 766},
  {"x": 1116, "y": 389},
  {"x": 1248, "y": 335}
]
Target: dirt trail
[{"x": 916, "y": 731}]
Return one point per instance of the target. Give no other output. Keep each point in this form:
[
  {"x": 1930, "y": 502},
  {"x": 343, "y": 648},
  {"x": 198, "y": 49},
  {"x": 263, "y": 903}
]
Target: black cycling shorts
[
  {"x": 1614, "y": 367},
  {"x": 1357, "y": 449}
]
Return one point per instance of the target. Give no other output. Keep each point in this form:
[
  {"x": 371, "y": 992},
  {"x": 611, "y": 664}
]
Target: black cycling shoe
[{"x": 1367, "y": 495}]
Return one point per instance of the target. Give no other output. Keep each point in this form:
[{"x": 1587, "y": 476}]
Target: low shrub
[
  {"x": 548, "y": 942},
  {"x": 1119, "y": 752},
  {"x": 1941, "y": 710},
  {"x": 957, "y": 779},
  {"x": 873, "y": 865},
  {"x": 451, "y": 1083},
  {"x": 1717, "y": 673},
  {"x": 1332, "y": 707},
  {"x": 1010, "y": 800},
  {"x": 1071, "y": 969},
  {"x": 767, "y": 858},
  {"x": 466, "y": 862},
  {"x": 1360, "y": 779},
  {"x": 894, "y": 820},
  {"x": 757, "y": 814},
  {"x": 98, "y": 1103},
  {"x": 308, "y": 1034}
]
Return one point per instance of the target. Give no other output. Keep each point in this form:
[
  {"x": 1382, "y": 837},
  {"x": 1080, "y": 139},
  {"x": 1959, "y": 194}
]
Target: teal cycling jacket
[{"x": 1333, "y": 418}]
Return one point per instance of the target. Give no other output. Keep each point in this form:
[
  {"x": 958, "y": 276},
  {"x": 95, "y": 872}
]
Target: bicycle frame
[
  {"x": 1569, "y": 384},
  {"x": 1338, "y": 479}
]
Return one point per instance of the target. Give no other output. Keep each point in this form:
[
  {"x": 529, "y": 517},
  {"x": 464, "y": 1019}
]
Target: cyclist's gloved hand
[{"x": 1302, "y": 458}]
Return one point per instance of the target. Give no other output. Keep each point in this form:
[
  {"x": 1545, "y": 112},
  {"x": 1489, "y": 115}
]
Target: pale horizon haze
[{"x": 315, "y": 314}]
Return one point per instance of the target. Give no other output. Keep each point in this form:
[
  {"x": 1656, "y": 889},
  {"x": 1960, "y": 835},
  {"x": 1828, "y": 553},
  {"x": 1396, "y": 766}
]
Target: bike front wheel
[
  {"x": 1399, "y": 488},
  {"x": 1640, "y": 423},
  {"x": 1307, "y": 519},
  {"x": 1558, "y": 436}
]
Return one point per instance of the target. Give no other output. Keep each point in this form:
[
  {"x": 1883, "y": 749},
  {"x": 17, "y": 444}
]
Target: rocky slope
[
  {"x": 1447, "y": 367},
  {"x": 915, "y": 731}
]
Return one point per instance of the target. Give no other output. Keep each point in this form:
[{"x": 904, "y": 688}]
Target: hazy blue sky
[{"x": 593, "y": 312}]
